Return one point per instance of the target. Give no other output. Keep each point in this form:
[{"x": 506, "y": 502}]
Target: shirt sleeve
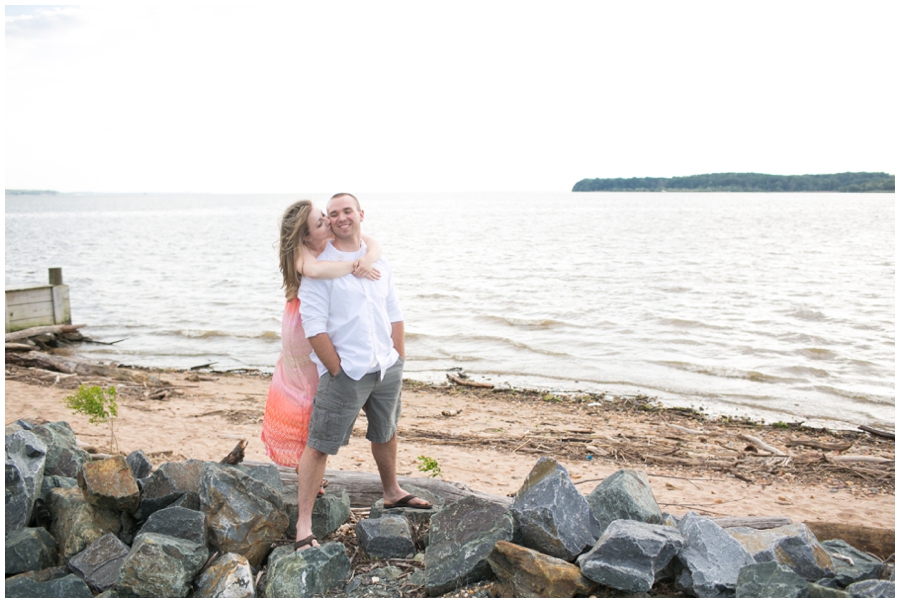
[
  {"x": 314, "y": 302},
  {"x": 395, "y": 314}
]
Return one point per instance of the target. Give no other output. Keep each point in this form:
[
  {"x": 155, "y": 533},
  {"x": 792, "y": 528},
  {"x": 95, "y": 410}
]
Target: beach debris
[
  {"x": 553, "y": 516},
  {"x": 835, "y": 458},
  {"x": 770, "y": 579},
  {"x": 626, "y": 494},
  {"x": 236, "y": 455},
  {"x": 889, "y": 435},
  {"x": 630, "y": 555},
  {"x": 793, "y": 545},
  {"x": 762, "y": 445},
  {"x": 230, "y": 576},
  {"x": 460, "y": 380},
  {"x": 47, "y": 330},
  {"x": 26, "y": 457},
  {"x": 451, "y": 413},
  {"x": 159, "y": 565},
  {"x": 202, "y": 366},
  {"x": 522, "y": 572},
  {"x": 819, "y": 445},
  {"x": 29, "y": 550},
  {"x": 99, "y": 563},
  {"x": 313, "y": 571},
  {"x": 461, "y": 537},
  {"x": 710, "y": 559}
]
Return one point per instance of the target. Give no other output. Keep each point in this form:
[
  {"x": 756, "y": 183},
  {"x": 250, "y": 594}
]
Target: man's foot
[
  {"x": 306, "y": 543},
  {"x": 321, "y": 491},
  {"x": 410, "y": 501}
]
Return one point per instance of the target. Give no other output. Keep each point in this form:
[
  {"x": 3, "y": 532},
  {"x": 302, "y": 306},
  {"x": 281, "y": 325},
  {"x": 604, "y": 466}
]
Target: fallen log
[
  {"x": 20, "y": 347},
  {"x": 73, "y": 365},
  {"x": 877, "y": 541},
  {"x": 35, "y": 331},
  {"x": 879, "y": 432},
  {"x": 819, "y": 445}
]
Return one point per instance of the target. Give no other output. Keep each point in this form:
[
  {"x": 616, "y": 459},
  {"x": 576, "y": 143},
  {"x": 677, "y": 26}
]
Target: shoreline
[{"x": 489, "y": 440}]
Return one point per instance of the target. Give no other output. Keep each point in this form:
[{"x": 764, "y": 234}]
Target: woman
[{"x": 305, "y": 230}]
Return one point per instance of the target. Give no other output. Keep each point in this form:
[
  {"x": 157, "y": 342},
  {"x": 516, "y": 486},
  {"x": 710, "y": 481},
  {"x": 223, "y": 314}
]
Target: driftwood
[
  {"x": 762, "y": 445},
  {"x": 757, "y": 523},
  {"x": 35, "y": 331},
  {"x": 73, "y": 365},
  {"x": 877, "y": 541},
  {"x": 236, "y": 455},
  {"x": 20, "y": 347},
  {"x": 467, "y": 383},
  {"x": 857, "y": 459},
  {"x": 820, "y": 445},
  {"x": 879, "y": 432}
]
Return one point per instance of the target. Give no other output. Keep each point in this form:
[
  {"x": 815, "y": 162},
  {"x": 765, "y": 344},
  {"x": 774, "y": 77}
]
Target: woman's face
[{"x": 319, "y": 228}]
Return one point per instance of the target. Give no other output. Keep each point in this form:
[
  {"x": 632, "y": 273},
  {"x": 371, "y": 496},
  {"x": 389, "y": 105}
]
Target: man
[{"x": 355, "y": 327}]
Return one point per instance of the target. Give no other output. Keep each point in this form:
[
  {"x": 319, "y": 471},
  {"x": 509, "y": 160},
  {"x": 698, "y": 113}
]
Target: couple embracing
[{"x": 342, "y": 352}]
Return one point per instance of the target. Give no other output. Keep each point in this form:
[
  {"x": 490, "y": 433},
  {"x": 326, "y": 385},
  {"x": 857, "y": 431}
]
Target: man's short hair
[{"x": 335, "y": 196}]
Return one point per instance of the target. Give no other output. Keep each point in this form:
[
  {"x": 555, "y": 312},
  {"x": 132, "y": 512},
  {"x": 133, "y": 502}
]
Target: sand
[{"x": 491, "y": 441}]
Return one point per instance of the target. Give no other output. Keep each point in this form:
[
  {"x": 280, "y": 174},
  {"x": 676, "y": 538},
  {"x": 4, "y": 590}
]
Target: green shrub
[{"x": 100, "y": 407}]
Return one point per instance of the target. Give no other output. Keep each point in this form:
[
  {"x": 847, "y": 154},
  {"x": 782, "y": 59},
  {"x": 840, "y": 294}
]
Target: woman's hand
[{"x": 362, "y": 268}]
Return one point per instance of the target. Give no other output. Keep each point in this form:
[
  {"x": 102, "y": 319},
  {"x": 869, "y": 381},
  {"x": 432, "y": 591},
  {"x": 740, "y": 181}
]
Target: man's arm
[
  {"x": 397, "y": 338},
  {"x": 324, "y": 349}
]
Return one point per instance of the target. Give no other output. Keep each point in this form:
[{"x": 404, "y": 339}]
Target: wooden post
[{"x": 56, "y": 276}]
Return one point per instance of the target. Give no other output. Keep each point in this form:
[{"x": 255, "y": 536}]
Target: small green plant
[
  {"x": 780, "y": 425},
  {"x": 100, "y": 407},
  {"x": 429, "y": 465}
]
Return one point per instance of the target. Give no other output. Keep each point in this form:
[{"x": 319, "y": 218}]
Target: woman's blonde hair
[{"x": 294, "y": 231}]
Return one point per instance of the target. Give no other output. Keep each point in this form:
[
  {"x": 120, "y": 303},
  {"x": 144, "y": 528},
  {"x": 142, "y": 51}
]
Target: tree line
[{"x": 847, "y": 182}]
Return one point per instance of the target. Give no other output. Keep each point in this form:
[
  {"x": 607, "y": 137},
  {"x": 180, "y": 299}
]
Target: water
[{"x": 779, "y": 306}]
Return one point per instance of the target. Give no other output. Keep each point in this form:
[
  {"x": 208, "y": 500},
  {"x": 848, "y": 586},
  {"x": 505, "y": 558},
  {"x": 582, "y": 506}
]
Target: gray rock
[
  {"x": 850, "y": 565},
  {"x": 140, "y": 464},
  {"x": 310, "y": 572},
  {"x": 19, "y": 425},
  {"x": 99, "y": 563},
  {"x": 76, "y": 523},
  {"x": 245, "y": 516},
  {"x": 189, "y": 500},
  {"x": 267, "y": 474},
  {"x": 160, "y": 566},
  {"x": 793, "y": 545},
  {"x": 552, "y": 515},
  {"x": 817, "y": 591},
  {"x": 68, "y": 587},
  {"x": 626, "y": 494},
  {"x": 770, "y": 579},
  {"x": 462, "y": 536},
  {"x": 379, "y": 583},
  {"x": 109, "y": 484},
  {"x": 230, "y": 576},
  {"x": 64, "y": 457},
  {"x": 29, "y": 550},
  {"x": 169, "y": 483},
  {"x": 386, "y": 538},
  {"x": 178, "y": 522},
  {"x": 872, "y": 589},
  {"x": 710, "y": 557},
  {"x": 56, "y": 481},
  {"x": 26, "y": 457},
  {"x": 330, "y": 512},
  {"x": 630, "y": 554}
]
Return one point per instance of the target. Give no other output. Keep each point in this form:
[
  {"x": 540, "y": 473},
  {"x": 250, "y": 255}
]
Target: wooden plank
[
  {"x": 42, "y": 330},
  {"x": 59, "y": 304},
  {"x": 27, "y": 296},
  {"x": 30, "y": 313}
]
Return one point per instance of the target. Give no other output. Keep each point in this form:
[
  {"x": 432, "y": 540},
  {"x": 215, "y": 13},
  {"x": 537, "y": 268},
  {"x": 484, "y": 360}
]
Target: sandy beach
[{"x": 490, "y": 441}]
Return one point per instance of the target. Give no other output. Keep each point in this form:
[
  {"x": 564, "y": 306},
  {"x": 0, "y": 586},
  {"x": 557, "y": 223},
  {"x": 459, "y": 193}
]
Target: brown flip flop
[
  {"x": 308, "y": 541},
  {"x": 404, "y": 503}
]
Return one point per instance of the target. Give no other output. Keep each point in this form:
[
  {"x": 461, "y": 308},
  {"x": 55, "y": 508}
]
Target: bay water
[{"x": 773, "y": 306}]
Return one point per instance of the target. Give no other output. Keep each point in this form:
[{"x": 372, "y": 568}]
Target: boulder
[
  {"x": 872, "y": 589},
  {"x": 188, "y": 500},
  {"x": 64, "y": 457},
  {"x": 817, "y": 591},
  {"x": 793, "y": 545},
  {"x": 169, "y": 483},
  {"x": 522, "y": 572},
  {"x": 160, "y": 566},
  {"x": 230, "y": 576},
  {"x": 552, "y": 515},
  {"x": 76, "y": 523},
  {"x": 626, "y": 494},
  {"x": 109, "y": 484},
  {"x": 179, "y": 522},
  {"x": 245, "y": 516},
  {"x": 140, "y": 464},
  {"x": 26, "y": 457},
  {"x": 56, "y": 481},
  {"x": 461, "y": 537},
  {"x": 770, "y": 579},
  {"x": 29, "y": 550},
  {"x": 99, "y": 563},
  {"x": 630, "y": 554},
  {"x": 67, "y": 587},
  {"x": 330, "y": 512},
  {"x": 307, "y": 573},
  {"x": 710, "y": 558},
  {"x": 386, "y": 538},
  {"x": 850, "y": 565},
  {"x": 267, "y": 474}
]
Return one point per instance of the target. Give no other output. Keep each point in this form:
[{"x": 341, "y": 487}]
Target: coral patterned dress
[{"x": 290, "y": 403}]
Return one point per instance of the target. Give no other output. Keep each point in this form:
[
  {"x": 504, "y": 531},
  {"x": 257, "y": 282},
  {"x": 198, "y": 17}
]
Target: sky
[{"x": 492, "y": 95}]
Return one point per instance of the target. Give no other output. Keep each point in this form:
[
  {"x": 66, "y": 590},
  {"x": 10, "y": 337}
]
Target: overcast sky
[{"x": 451, "y": 96}]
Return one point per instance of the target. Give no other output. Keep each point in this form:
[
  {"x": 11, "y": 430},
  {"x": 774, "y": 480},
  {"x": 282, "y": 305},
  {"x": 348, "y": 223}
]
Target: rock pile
[{"x": 77, "y": 527}]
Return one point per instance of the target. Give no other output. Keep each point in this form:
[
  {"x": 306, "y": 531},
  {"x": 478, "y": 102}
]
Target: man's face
[{"x": 345, "y": 217}]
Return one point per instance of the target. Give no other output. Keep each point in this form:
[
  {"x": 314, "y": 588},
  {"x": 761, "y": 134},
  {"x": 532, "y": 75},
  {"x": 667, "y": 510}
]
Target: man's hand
[{"x": 324, "y": 349}]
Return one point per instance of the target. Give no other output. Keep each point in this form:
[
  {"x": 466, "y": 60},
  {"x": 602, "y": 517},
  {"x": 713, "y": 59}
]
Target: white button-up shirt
[{"x": 356, "y": 313}]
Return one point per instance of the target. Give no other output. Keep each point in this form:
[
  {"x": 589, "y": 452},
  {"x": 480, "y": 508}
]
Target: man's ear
[{"x": 361, "y": 215}]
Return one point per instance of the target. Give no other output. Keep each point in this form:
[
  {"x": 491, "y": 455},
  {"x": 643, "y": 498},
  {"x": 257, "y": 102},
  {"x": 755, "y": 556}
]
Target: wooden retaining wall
[{"x": 38, "y": 306}]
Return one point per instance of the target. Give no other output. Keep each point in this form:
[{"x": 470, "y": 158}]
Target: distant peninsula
[
  {"x": 19, "y": 191},
  {"x": 847, "y": 182}
]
